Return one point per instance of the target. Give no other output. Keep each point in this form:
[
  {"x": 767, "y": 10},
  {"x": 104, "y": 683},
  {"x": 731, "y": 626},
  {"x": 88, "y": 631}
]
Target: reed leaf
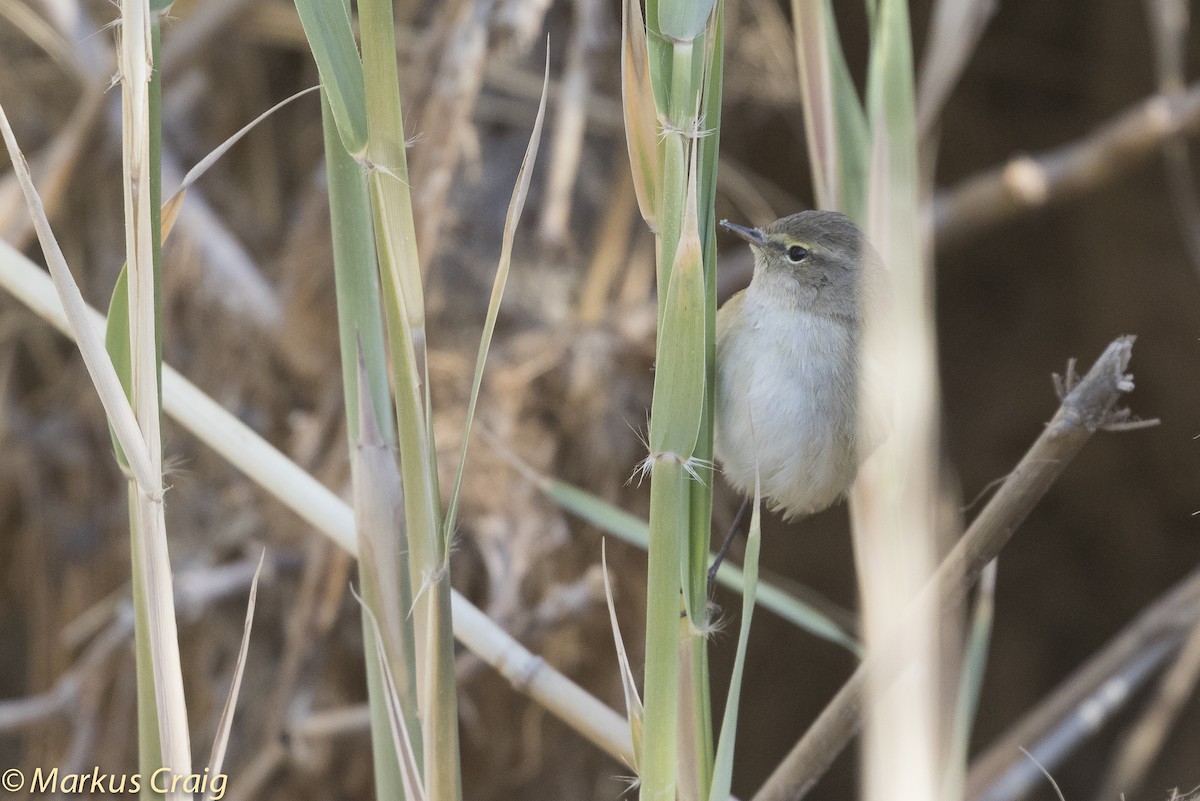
[
  {"x": 331, "y": 40},
  {"x": 679, "y": 377},
  {"x": 399, "y": 725},
  {"x": 641, "y": 114},
  {"x": 216, "y": 760},
  {"x": 970, "y": 683},
  {"x": 635, "y": 531},
  {"x": 633, "y": 702},
  {"x": 723, "y": 763},
  {"x": 170, "y": 209}
]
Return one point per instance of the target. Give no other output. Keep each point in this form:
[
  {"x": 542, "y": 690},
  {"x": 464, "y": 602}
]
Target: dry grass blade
[
  {"x": 91, "y": 343},
  {"x": 516, "y": 205},
  {"x": 633, "y": 702},
  {"x": 225, "y": 724},
  {"x": 410, "y": 771},
  {"x": 1045, "y": 773},
  {"x": 170, "y": 209}
]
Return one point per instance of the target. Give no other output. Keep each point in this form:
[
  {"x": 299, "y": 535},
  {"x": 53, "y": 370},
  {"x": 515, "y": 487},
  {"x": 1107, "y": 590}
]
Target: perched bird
[{"x": 788, "y": 362}]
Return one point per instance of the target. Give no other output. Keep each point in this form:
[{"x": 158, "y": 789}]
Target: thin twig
[
  {"x": 1089, "y": 696},
  {"x": 1088, "y": 407},
  {"x": 1029, "y": 182}
]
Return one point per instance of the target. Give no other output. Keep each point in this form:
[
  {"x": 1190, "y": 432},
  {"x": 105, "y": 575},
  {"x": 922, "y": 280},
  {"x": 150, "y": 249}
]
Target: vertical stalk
[
  {"x": 684, "y": 39},
  {"x": 668, "y": 528},
  {"x": 400, "y": 276},
  {"x": 364, "y": 370},
  {"x": 160, "y": 680}
]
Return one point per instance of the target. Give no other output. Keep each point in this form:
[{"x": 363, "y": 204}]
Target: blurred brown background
[{"x": 250, "y": 318}]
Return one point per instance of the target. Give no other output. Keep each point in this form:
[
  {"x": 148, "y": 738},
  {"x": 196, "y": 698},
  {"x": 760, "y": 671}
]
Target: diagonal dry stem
[{"x": 1089, "y": 406}]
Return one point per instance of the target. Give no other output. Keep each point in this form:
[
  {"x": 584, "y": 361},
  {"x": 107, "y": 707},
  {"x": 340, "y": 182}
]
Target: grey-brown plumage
[{"x": 788, "y": 362}]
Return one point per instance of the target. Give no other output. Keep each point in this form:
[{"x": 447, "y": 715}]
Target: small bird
[{"x": 788, "y": 362}]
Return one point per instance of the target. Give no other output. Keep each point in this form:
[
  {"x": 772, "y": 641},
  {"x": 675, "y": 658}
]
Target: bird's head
[{"x": 814, "y": 259}]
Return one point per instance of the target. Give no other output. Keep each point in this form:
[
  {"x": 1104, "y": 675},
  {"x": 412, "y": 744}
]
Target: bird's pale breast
[{"x": 786, "y": 387}]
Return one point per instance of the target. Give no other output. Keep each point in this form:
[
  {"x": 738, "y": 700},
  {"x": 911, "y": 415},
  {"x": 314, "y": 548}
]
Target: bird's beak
[{"x": 752, "y": 235}]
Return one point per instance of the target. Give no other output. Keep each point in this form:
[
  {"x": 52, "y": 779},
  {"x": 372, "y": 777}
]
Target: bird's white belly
[{"x": 786, "y": 404}]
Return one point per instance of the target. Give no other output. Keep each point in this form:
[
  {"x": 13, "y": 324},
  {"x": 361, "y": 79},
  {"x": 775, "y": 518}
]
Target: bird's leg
[{"x": 724, "y": 549}]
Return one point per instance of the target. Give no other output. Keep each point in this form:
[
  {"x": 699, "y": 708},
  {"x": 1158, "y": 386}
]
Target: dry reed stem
[
  {"x": 1088, "y": 407},
  {"x": 1128, "y": 768},
  {"x": 1028, "y": 182},
  {"x": 1160, "y": 627},
  {"x": 73, "y": 312},
  {"x": 317, "y": 505}
]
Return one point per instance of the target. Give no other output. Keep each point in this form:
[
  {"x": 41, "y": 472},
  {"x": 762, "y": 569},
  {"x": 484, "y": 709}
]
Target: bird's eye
[{"x": 797, "y": 254}]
